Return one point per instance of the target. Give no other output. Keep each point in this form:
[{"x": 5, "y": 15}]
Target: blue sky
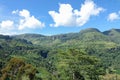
[{"x": 58, "y": 16}]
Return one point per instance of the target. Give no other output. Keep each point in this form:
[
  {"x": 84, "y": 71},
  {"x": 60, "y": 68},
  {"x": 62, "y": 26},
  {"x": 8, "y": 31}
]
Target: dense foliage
[{"x": 87, "y": 55}]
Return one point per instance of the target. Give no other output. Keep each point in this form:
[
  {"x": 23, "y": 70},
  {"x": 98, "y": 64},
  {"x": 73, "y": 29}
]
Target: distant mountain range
[{"x": 87, "y": 35}]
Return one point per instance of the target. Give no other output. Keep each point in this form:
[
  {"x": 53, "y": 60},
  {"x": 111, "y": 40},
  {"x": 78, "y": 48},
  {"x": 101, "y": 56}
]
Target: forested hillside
[{"x": 87, "y": 55}]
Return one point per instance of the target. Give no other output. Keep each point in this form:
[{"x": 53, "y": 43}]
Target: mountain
[
  {"x": 60, "y": 56},
  {"x": 112, "y": 32},
  {"x": 84, "y": 35},
  {"x": 93, "y": 41},
  {"x": 10, "y": 46},
  {"x": 92, "y": 34},
  {"x": 114, "y": 35},
  {"x": 89, "y": 30},
  {"x": 89, "y": 36}
]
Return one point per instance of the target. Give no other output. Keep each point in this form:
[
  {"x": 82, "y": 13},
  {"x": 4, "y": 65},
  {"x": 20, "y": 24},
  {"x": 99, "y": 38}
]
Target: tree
[
  {"x": 17, "y": 69},
  {"x": 77, "y": 65}
]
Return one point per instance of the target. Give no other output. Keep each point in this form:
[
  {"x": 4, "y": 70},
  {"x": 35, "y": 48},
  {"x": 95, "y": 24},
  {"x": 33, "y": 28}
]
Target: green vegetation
[
  {"x": 87, "y": 55},
  {"x": 17, "y": 69}
]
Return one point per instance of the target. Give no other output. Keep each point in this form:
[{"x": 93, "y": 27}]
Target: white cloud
[
  {"x": 22, "y": 22},
  {"x": 7, "y": 27},
  {"x": 8, "y": 24},
  {"x": 24, "y": 13},
  {"x": 8, "y": 32},
  {"x": 67, "y": 16},
  {"x": 28, "y": 21},
  {"x": 113, "y": 16},
  {"x": 15, "y": 12}
]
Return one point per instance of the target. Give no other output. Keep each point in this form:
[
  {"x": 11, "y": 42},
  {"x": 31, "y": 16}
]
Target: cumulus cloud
[
  {"x": 8, "y": 24},
  {"x": 24, "y": 13},
  {"x": 114, "y": 16},
  {"x": 67, "y": 16},
  {"x": 24, "y": 22},
  {"x": 7, "y": 27},
  {"x": 28, "y": 21}
]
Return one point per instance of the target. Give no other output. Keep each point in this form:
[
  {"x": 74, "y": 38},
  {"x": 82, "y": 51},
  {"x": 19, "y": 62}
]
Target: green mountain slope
[
  {"x": 90, "y": 34},
  {"x": 10, "y": 47},
  {"x": 83, "y": 55},
  {"x": 93, "y": 34},
  {"x": 91, "y": 40},
  {"x": 114, "y": 35}
]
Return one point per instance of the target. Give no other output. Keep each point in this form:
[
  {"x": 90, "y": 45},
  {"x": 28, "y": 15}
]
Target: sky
[{"x": 57, "y": 16}]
